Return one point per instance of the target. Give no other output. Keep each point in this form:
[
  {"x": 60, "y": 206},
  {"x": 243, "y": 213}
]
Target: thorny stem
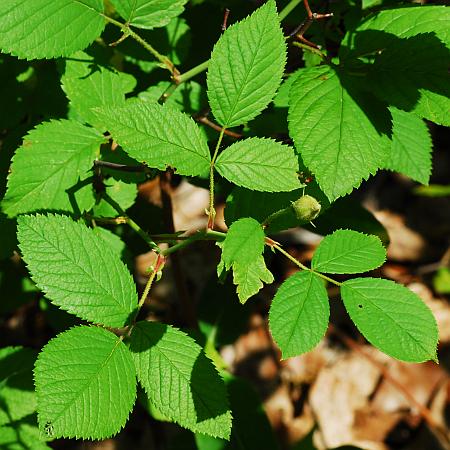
[
  {"x": 277, "y": 246},
  {"x": 212, "y": 211},
  {"x": 159, "y": 263}
]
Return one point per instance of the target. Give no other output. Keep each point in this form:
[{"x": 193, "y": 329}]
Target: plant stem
[
  {"x": 161, "y": 58},
  {"x": 200, "y": 235},
  {"x": 159, "y": 263},
  {"x": 131, "y": 223},
  {"x": 310, "y": 49},
  {"x": 288, "y": 9},
  {"x": 192, "y": 72},
  {"x": 212, "y": 211},
  {"x": 302, "y": 266}
]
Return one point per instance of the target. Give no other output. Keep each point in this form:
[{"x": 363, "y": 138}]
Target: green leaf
[
  {"x": 411, "y": 147},
  {"x": 335, "y": 137},
  {"x": 249, "y": 278},
  {"x": 246, "y": 67},
  {"x": 299, "y": 314},
  {"x": 47, "y": 28},
  {"x": 392, "y": 318},
  {"x": 115, "y": 242},
  {"x": 159, "y": 136},
  {"x": 149, "y": 14},
  {"x": 401, "y": 22},
  {"x": 180, "y": 381},
  {"x": 89, "y": 85},
  {"x": 17, "y": 397},
  {"x": 85, "y": 384},
  {"x": 76, "y": 270},
  {"x": 244, "y": 242},
  {"x": 260, "y": 164},
  {"x": 46, "y": 170},
  {"x": 411, "y": 58},
  {"x": 347, "y": 251},
  {"x": 123, "y": 193}
]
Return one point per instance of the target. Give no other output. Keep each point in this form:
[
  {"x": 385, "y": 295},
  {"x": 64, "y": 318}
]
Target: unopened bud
[{"x": 306, "y": 208}]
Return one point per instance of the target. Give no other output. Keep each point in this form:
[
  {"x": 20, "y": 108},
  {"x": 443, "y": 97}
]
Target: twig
[
  {"x": 121, "y": 167},
  {"x": 225, "y": 19},
  {"x": 304, "y": 26},
  {"x": 424, "y": 412},
  {"x": 204, "y": 120}
]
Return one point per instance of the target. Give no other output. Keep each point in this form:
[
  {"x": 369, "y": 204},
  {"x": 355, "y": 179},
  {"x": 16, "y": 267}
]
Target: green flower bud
[{"x": 306, "y": 208}]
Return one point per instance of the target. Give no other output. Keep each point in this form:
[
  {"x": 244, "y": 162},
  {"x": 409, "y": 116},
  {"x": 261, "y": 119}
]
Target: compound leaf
[
  {"x": 180, "y": 381},
  {"x": 411, "y": 147},
  {"x": 249, "y": 278},
  {"x": 335, "y": 137},
  {"x": 85, "y": 383},
  {"x": 392, "y": 318},
  {"x": 89, "y": 85},
  {"x": 299, "y": 314},
  {"x": 76, "y": 270},
  {"x": 149, "y": 14},
  {"x": 34, "y": 29},
  {"x": 347, "y": 251},
  {"x": 246, "y": 67},
  {"x": 244, "y": 242},
  {"x": 260, "y": 164},
  {"x": 159, "y": 136},
  {"x": 54, "y": 158}
]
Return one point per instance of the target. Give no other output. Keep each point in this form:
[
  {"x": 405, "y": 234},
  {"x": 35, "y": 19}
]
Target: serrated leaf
[
  {"x": 411, "y": 61},
  {"x": 260, "y": 164},
  {"x": 347, "y": 251},
  {"x": 72, "y": 265},
  {"x": 179, "y": 379},
  {"x": 159, "y": 136},
  {"x": 53, "y": 160},
  {"x": 335, "y": 137},
  {"x": 17, "y": 397},
  {"x": 149, "y": 13},
  {"x": 85, "y": 383},
  {"x": 89, "y": 85},
  {"x": 34, "y": 29},
  {"x": 249, "y": 278},
  {"x": 411, "y": 147},
  {"x": 392, "y": 318},
  {"x": 246, "y": 67},
  {"x": 244, "y": 242},
  {"x": 299, "y": 314}
]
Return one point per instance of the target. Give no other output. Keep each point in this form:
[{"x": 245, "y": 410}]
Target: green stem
[
  {"x": 193, "y": 72},
  {"x": 131, "y": 223},
  {"x": 128, "y": 31},
  {"x": 212, "y": 212},
  {"x": 288, "y": 9},
  {"x": 303, "y": 267},
  {"x": 201, "y": 235},
  {"x": 310, "y": 49}
]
